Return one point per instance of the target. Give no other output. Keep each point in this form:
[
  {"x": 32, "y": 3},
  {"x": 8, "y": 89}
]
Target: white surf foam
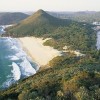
[
  {"x": 21, "y": 54},
  {"x": 12, "y": 79},
  {"x": 26, "y": 68},
  {"x": 13, "y": 58},
  {"x": 8, "y": 83},
  {"x": 21, "y": 65},
  {"x": 14, "y": 47},
  {"x": 16, "y": 71}
]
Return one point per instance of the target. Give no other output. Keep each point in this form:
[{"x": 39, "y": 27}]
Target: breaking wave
[
  {"x": 16, "y": 71},
  {"x": 21, "y": 66},
  {"x": 26, "y": 68}
]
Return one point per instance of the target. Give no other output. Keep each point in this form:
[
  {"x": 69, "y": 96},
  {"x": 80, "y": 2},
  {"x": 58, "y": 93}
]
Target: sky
[{"x": 50, "y": 5}]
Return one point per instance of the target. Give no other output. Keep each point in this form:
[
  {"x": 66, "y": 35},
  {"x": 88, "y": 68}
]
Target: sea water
[
  {"x": 98, "y": 40},
  {"x": 2, "y": 29},
  {"x": 15, "y": 64}
]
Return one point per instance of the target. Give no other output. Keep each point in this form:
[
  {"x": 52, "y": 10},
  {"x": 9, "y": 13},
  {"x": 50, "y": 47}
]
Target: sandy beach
[{"x": 40, "y": 54}]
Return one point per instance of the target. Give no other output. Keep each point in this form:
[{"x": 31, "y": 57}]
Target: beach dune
[{"x": 40, "y": 54}]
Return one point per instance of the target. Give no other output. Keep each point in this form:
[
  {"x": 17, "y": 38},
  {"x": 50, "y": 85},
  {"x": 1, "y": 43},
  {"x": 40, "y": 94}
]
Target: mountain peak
[{"x": 40, "y": 11}]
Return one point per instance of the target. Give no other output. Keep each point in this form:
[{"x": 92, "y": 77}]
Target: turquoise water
[
  {"x": 1, "y": 30},
  {"x": 14, "y": 62}
]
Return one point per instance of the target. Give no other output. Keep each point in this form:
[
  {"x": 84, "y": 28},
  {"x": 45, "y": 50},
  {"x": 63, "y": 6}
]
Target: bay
[{"x": 15, "y": 64}]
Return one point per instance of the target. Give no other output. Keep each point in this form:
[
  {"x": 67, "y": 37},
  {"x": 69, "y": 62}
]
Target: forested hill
[
  {"x": 7, "y": 18},
  {"x": 38, "y": 24},
  {"x": 68, "y": 77},
  {"x": 83, "y": 16},
  {"x": 63, "y": 32}
]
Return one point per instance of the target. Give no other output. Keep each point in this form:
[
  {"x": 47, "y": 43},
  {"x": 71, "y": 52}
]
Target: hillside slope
[
  {"x": 11, "y": 18},
  {"x": 63, "y": 32},
  {"x": 38, "y": 24},
  {"x": 68, "y": 77},
  {"x": 83, "y": 16}
]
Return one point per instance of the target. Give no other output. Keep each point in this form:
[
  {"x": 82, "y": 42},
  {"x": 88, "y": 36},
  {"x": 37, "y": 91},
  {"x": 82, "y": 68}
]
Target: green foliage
[
  {"x": 38, "y": 24},
  {"x": 87, "y": 16},
  {"x": 76, "y": 36},
  {"x": 11, "y": 18},
  {"x": 68, "y": 77},
  {"x": 62, "y": 31}
]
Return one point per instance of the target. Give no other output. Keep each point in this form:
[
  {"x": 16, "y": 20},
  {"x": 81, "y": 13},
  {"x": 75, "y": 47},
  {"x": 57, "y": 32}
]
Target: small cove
[{"x": 15, "y": 64}]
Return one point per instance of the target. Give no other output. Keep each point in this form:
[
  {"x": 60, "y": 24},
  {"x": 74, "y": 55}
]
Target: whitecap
[
  {"x": 26, "y": 68},
  {"x": 14, "y": 47},
  {"x": 16, "y": 71},
  {"x": 7, "y": 83},
  {"x": 9, "y": 76},
  {"x": 21, "y": 54},
  {"x": 13, "y": 57},
  {"x": 19, "y": 61}
]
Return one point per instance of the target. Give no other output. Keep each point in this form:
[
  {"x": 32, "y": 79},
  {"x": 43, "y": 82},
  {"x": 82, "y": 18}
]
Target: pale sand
[
  {"x": 40, "y": 53},
  {"x": 76, "y": 52}
]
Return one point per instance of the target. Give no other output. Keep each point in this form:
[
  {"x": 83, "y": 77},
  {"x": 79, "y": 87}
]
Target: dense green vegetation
[
  {"x": 67, "y": 77},
  {"x": 38, "y": 24},
  {"x": 85, "y": 16},
  {"x": 76, "y": 36},
  {"x": 63, "y": 32},
  {"x": 11, "y": 18}
]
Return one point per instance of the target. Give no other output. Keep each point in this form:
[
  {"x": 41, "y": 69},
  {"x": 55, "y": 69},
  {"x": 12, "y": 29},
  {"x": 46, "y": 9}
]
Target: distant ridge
[
  {"x": 81, "y": 16},
  {"x": 7, "y": 18}
]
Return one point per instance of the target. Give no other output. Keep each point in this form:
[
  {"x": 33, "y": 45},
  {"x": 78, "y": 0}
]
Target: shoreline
[
  {"x": 28, "y": 53},
  {"x": 39, "y": 53}
]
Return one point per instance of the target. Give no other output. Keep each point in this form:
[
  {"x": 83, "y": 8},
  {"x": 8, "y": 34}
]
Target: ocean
[
  {"x": 1, "y": 30},
  {"x": 98, "y": 40},
  {"x": 15, "y": 64}
]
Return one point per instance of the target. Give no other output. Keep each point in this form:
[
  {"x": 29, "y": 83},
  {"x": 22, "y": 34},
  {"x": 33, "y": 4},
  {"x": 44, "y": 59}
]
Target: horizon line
[{"x": 52, "y": 11}]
